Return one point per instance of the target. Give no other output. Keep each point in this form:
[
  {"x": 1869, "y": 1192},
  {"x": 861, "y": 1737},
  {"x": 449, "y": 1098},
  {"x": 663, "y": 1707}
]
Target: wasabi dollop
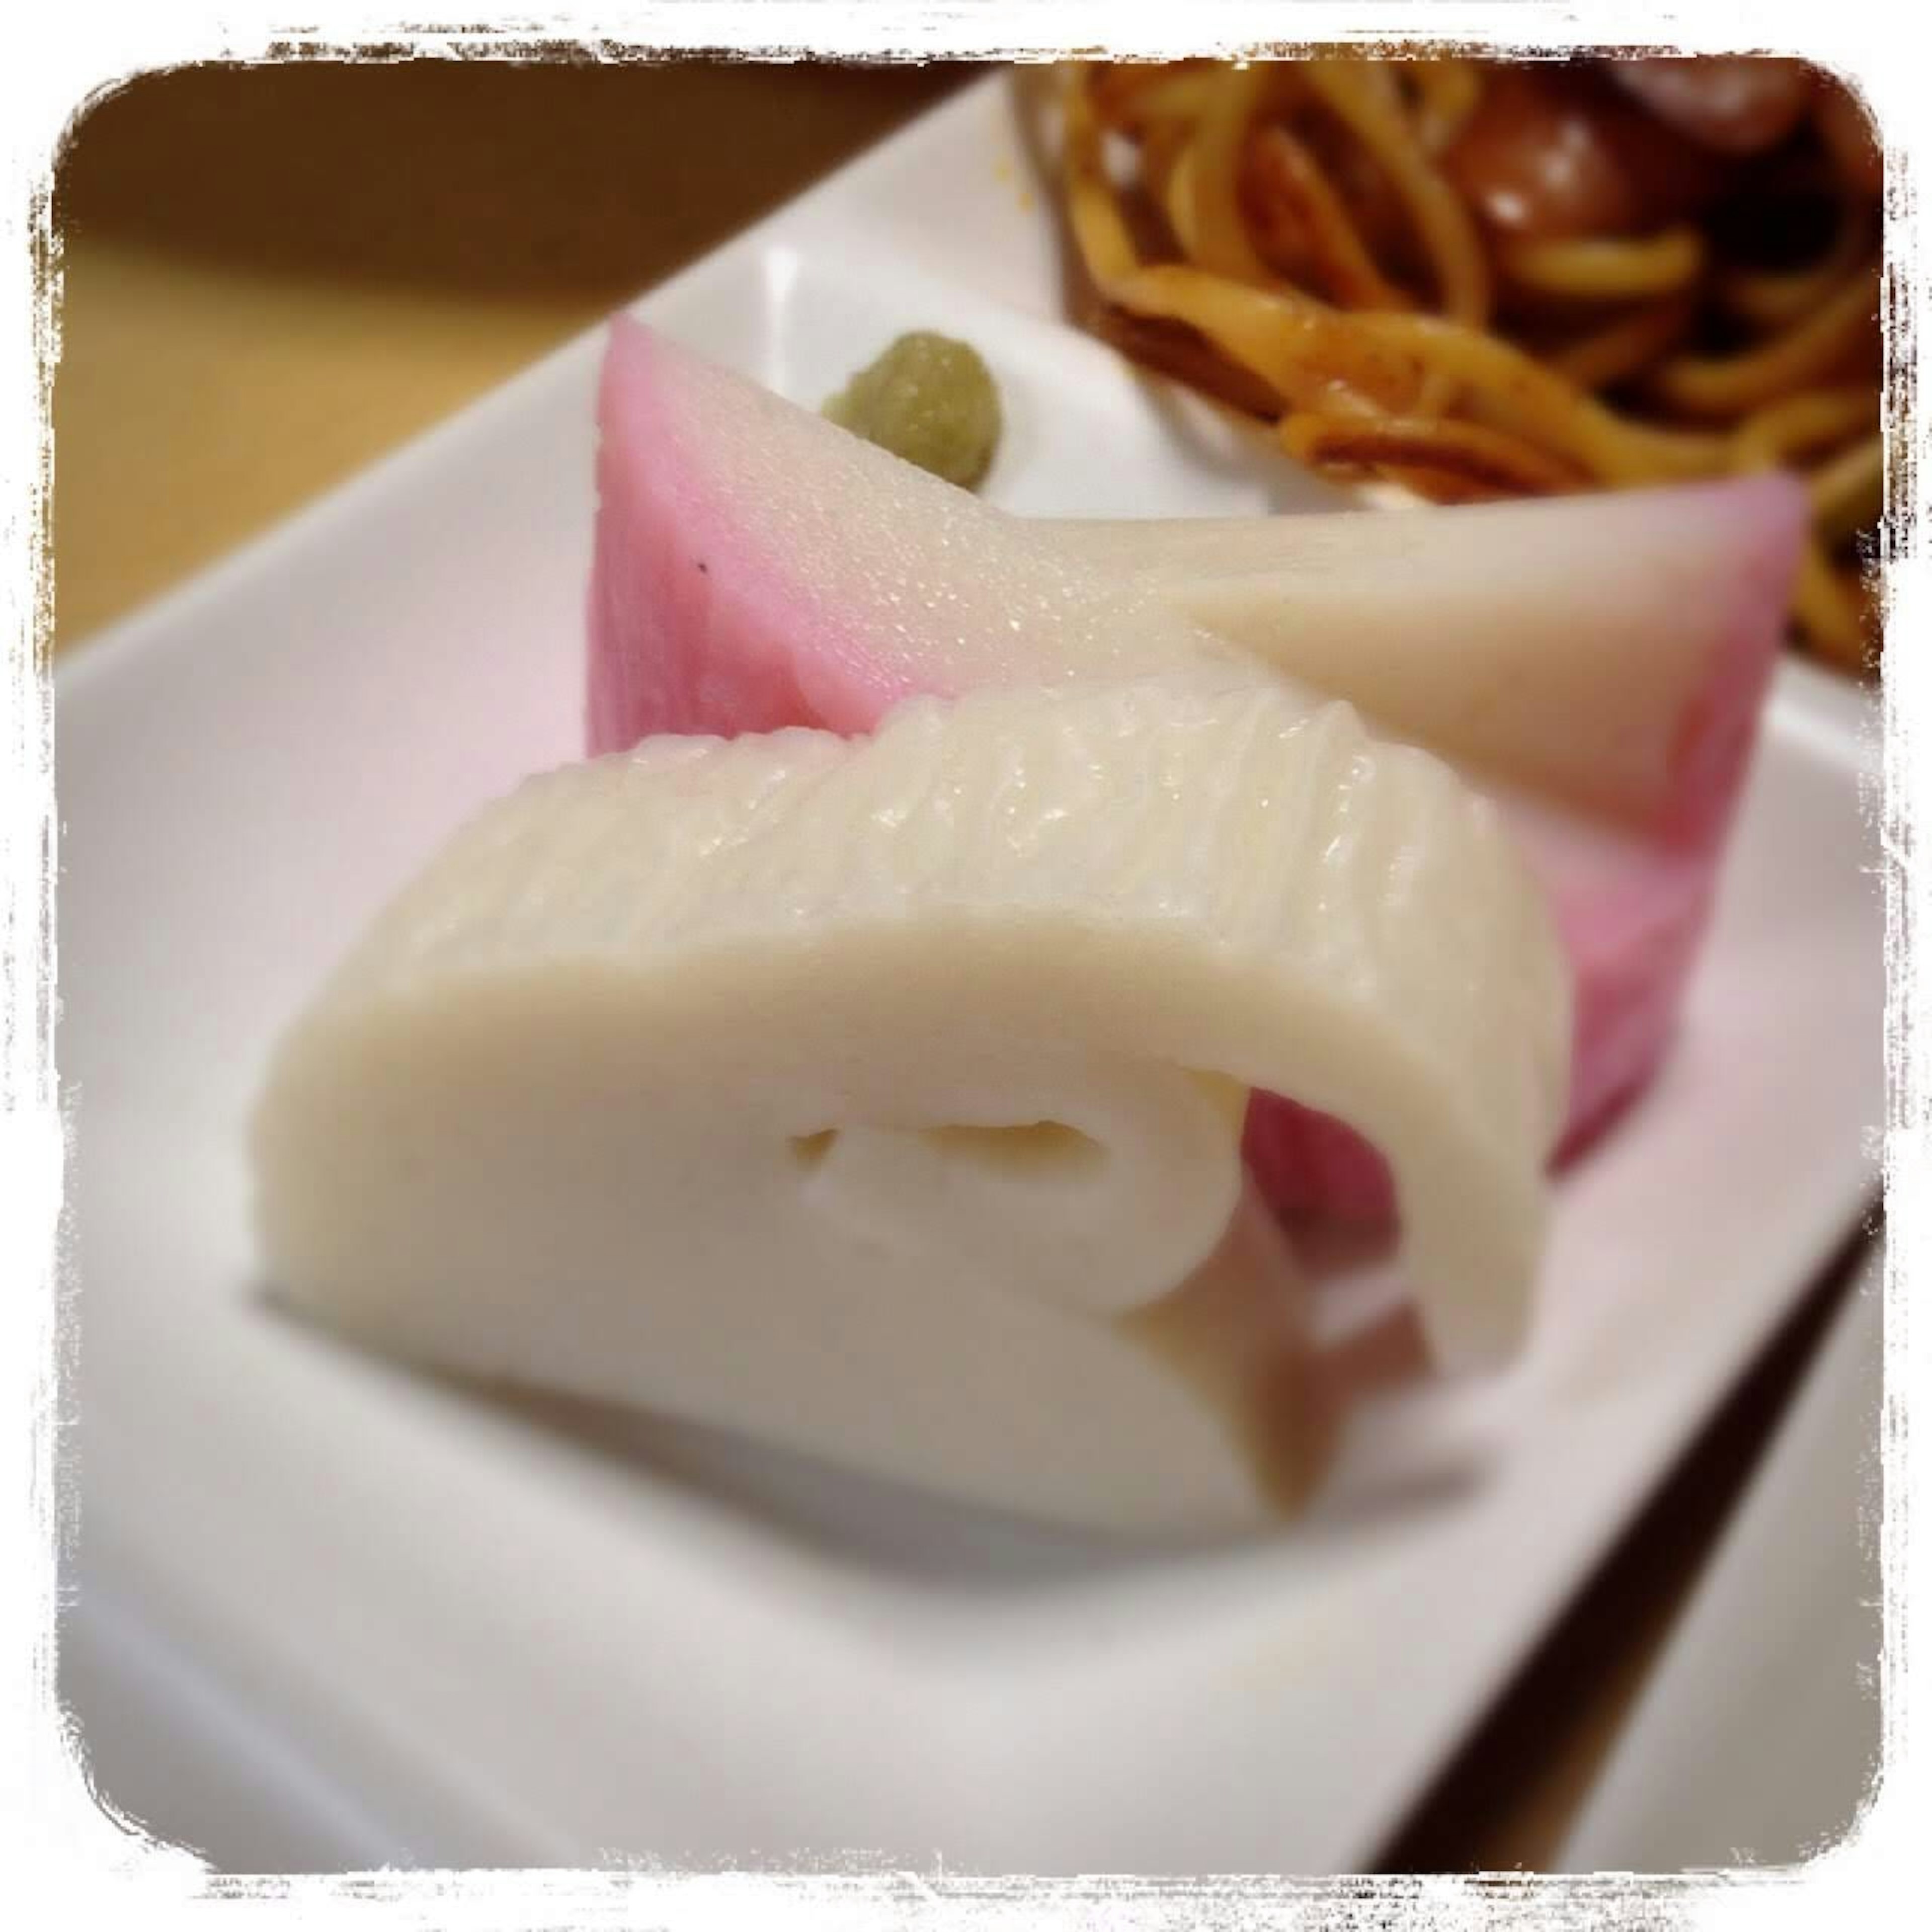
[{"x": 929, "y": 399}]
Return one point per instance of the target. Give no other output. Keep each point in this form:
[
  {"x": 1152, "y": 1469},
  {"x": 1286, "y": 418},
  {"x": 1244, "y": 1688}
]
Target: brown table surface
[{"x": 274, "y": 274}]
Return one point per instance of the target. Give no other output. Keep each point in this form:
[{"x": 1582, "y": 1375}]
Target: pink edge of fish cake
[
  {"x": 1716, "y": 731},
  {"x": 696, "y": 626},
  {"x": 1632, "y": 922},
  {"x": 1633, "y": 925},
  {"x": 693, "y": 626},
  {"x": 1631, "y": 937}
]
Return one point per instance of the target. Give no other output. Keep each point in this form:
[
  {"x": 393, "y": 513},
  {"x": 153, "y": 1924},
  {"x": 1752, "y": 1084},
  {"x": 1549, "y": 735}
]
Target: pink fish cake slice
[{"x": 756, "y": 567}]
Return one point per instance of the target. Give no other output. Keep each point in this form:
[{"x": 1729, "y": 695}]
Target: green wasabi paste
[{"x": 930, "y": 400}]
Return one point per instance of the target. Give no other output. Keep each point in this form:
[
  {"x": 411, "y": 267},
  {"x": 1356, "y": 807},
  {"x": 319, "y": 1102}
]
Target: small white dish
[
  {"x": 517, "y": 1634},
  {"x": 1756, "y": 1741}
]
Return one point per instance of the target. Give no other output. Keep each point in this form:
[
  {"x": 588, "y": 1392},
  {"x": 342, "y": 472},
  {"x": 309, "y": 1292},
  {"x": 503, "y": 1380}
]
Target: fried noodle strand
[{"x": 1322, "y": 268}]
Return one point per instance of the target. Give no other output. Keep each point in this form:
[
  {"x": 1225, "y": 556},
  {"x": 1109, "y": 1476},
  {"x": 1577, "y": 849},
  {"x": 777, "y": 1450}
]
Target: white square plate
[{"x": 464, "y": 1631}]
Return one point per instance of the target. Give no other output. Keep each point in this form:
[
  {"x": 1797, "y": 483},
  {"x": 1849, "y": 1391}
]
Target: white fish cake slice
[{"x": 883, "y": 1098}]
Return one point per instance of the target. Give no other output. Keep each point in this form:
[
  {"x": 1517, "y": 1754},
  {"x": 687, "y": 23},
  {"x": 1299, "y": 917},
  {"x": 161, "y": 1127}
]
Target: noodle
[
  {"x": 1606, "y": 268},
  {"x": 1127, "y": 98},
  {"x": 1816, "y": 347},
  {"x": 1848, "y": 493},
  {"x": 1164, "y": 151},
  {"x": 1298, "y": 205},
  {"x": 1174, "y": 189},
  {"x": 1182, "y": 352},
  {"x": 1444, "y": 225},
  {"x": 1829, "y": 612},
  {"x": 1303, "y": 349},
  {"x": 1289, "y": 188},
  {"x": 1620, "y": 349},
  {"x": 1511, "y": 386},
  {"x": 1447, "y": 93},
  {"x": 1220, "y": 234},
  {"x": 1768, "y": 299},
  {"x": 1094, "y": 214},
  {"x": 1800, "y": 424},
  {"x": 1495, "y": 463}
]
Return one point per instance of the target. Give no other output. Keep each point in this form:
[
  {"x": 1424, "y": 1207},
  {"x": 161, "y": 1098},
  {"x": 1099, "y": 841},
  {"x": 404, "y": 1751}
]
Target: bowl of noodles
[{"x": 1459, "y": 279}]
